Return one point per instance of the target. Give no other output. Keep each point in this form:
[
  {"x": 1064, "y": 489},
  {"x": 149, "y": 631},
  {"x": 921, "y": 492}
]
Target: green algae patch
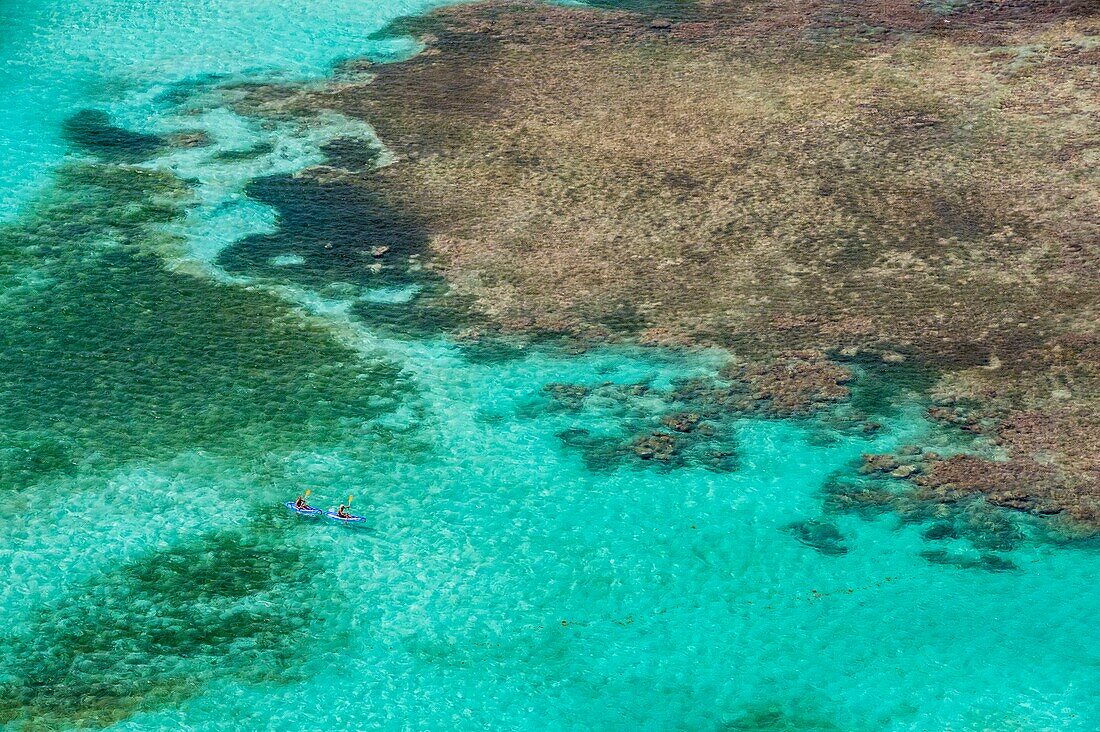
[
  {"x": 26, "y": 457},
  {"x": 112, "y": 356},
  {"x": 90, "y": 208},
  {"x": 129, "y": 360},
  {"x": 156, "y": 630}
]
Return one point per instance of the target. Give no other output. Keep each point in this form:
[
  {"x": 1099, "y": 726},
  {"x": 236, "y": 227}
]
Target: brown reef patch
[
  {"x": 740, "y": 190},
  {"x": 794, "y": 382}
]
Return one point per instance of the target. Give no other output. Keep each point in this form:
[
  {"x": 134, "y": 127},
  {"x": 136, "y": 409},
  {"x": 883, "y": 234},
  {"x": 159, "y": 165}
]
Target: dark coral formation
[
  {"x": 646, "y": 426},
  {"x": 964, "y": 524},
  {"x": 1018, "y": 484},
  {"x": 657, "y": 445},
  {"x": 91, "y": 131},
  {"x": 342, "y": 234},
  {"x": 794, "y": 382},
  {"x": 692, "y": 422}
]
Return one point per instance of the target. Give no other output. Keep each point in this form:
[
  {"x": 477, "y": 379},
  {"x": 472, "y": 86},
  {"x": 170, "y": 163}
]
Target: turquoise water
[
  {"x": 60, "y": 57},
  {"x": 165, "y": 391}
]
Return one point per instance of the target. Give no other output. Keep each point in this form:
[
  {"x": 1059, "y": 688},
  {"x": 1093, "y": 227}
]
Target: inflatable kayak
[
  {"x": 307, "y": 511},
  {"x": 349, "y": 519}
]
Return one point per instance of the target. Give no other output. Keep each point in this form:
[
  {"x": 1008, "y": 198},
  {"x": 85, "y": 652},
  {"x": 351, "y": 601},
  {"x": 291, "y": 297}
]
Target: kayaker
[
  {"x": 342, "y": 512},
  {"x": 300, "y": 503}
]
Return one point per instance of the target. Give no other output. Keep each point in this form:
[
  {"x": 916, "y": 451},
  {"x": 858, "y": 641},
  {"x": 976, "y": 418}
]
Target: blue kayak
[
  {"x": 349, "y": 519},
  {"x": 307, "y": 511}
]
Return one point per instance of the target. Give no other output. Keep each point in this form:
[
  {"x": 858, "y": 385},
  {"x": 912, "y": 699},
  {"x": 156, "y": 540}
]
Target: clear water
[
  {"x": 158, "y": 410},
  {"x": 59, "y": 57}
]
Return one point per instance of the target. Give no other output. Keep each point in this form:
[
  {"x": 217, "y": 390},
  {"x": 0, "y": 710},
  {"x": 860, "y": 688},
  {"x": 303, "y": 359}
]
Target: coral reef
[{"x": 911, "y": 180}]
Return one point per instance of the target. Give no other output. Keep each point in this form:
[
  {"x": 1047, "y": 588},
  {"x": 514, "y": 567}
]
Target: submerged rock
[
  {"x": 719, "y": 460},
  {"x": 878, "y": 463},
  {"x": 849, "y": 497},
  {"x": 682, "y": 421},
  {"x": 993, "y": 563},
  {"x": 822, "y": 536},
  {"x": 660, "y": 446},
  {"x": 940, "y": 532},
  {"x": 989, "y": 528},
  {"x": 903, "y": 471},
  {"x": 568, "y": 396},
  {"x": 691, "y": 437},
  {"x": 986, "y": 562},
  {"x": 786, "y": 717},
  {"x": 575, "y": 437},
  {"x": 190, "y": 139},
  {"x": 706, "y": 395},
  {"x": 599, "y": 452}
]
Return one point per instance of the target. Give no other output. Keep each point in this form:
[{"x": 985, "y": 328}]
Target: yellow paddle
[{"x": 349, "y": 501}]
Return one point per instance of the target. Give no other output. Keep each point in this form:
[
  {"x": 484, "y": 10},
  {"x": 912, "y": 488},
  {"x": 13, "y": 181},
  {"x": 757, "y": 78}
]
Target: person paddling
[
  {"x": 343, "y": 514},
  {"x": 300, "y": 502}
]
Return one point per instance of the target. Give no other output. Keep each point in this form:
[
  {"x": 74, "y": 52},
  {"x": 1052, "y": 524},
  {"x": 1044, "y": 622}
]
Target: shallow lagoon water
[
  {"x": 507, "y": 579},
  {"x": 59, "y": 58}
]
